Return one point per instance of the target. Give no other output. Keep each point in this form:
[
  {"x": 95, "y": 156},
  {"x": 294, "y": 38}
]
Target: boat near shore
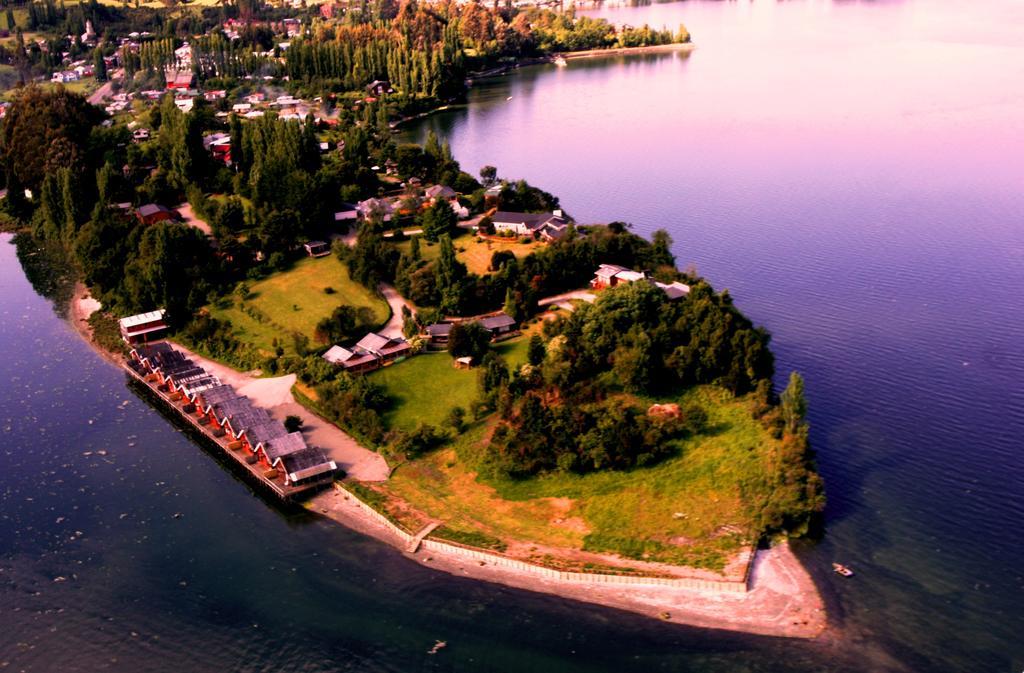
[{"x": 840, "y": 569}]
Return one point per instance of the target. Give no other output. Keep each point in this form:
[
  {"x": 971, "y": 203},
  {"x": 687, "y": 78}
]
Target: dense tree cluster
[
  {"x": 789, "y": 496},
  {"x": 534, "y": 30},
  {"x": 518, "y": 284},
  {"x": 545, "y": 433},
  {"x": 632, "y": 340}
]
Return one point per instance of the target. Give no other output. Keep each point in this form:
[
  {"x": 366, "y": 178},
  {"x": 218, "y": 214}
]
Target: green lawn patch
[
  {"x": 687, "y": 510},
  {"x": 425, "y": 388},
  {"x": 294, "y": 301},
  {"x": 476, "y": 253}
]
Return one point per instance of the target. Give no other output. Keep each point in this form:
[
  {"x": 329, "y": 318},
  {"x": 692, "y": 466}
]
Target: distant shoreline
[
  {"x": 627, "y": 51},
  {"x": 541, "y": 60}
]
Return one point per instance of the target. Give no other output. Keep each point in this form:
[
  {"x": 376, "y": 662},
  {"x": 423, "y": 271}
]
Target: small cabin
[
  {"x": 317, "y": 249},
  {"x": 144, "y": 327},
  {"x": 439, "y": 333},
  {"x": 387, "y": 349},
  {"x": 352, "y": 361},
  {"x": 499, "y": 325},
  {"x": 151, "y": 213},
  {"x": 348, "y": 212}
]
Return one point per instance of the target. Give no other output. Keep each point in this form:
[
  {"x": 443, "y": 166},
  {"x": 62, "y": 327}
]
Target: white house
[{"x": 549, "y": 226}]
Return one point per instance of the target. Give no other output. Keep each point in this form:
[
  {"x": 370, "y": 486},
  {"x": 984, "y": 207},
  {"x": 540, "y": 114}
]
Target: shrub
[{"x": 293, "y": 423}]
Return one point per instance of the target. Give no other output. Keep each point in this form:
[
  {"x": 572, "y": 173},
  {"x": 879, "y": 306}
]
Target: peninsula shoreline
[{"x": 781, "y": 598}]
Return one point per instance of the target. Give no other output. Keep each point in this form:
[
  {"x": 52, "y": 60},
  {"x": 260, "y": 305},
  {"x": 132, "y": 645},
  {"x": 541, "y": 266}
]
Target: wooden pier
[{"x": 271, "y": 479}]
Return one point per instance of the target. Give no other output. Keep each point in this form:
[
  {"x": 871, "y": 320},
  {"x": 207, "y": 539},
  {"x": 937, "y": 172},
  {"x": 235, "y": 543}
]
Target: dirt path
[
  {"x": 188, "y": 216},
  {"x": 585, "y": 295},
  {"x": 275, "y": 395},
  {"x": 393, "y": 328}
]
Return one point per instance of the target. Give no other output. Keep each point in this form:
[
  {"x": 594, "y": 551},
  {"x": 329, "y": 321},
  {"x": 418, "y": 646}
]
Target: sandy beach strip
[{"x": 782, "y": 600}]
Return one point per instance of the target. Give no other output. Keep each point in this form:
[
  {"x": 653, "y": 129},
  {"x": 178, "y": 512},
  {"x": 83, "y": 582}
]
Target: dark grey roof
[
  {"x": 265, "y": 430},
  {"x": 305, "y": 459},
  {"x": 529, "y": 219},
  {"x": 284, "y": 445},
  {"x": 373, "y": 342},
  {"x": 219, "y": 394},
  {"x": 152, "y": 209},
  {"x": 439, "y": 329},
  {"x": 236, "y": 407},
  {"x": 153, "y": 350},
  {"x": 497, "y": 321},
  {"x": 532, "y": 221}
]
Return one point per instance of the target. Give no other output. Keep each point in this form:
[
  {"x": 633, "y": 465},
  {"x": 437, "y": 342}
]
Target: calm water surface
[{"x": 852, "y": 172}]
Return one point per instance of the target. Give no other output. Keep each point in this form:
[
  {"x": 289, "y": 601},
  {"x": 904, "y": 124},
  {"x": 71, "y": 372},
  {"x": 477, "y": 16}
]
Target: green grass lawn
[
  {"x": 428, "y": 251},
  {"x": 425, "y": 388},
  {"x": 686, "y": 510},
  {"x": 476, "y": 255},
  {"x": 294, "y": 301}
]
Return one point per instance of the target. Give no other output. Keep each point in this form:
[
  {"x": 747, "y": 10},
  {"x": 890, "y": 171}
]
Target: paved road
[{"x": 104, "y": 91}]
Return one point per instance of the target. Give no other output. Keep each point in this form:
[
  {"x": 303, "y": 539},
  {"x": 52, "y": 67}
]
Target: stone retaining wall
[{"x": 429, "y": 544}]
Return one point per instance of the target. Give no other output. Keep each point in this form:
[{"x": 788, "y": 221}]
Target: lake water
[{"x": 853, "y": 172}]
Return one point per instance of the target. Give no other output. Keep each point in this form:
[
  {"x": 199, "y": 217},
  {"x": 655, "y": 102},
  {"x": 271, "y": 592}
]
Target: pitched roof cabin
[
  {"x": 379, "y": 87},
  {"x": 151, "y": 213},
  {"x": 547, "y": 226},
  {"x": 180, "y": 79},
  {"x": 438, "y": 333},
  {"x": 439, "y": 192},
  {"x": 674, "y": 290},
  {"x": 610, "y": 275},
  {"x": 372, "y": 351},
  {"x": 233, "y": 418},
  {"x": 369, "y": 207},
  {"x": 386, "y": 348},
  {"x": 317, "y": 248},
  {"x": 144, "y": 327},
  {"x": 498, "y": 324},
  {"x": 346, "y": 212},
  {"x": 351, "y": 360}
]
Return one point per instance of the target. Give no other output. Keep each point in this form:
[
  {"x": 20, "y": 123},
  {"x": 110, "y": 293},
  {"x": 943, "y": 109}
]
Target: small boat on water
[
  {"x": 438, "y": 646},
  {"x": 840, "y": 569},
  {"x": 560, "y": 61}
]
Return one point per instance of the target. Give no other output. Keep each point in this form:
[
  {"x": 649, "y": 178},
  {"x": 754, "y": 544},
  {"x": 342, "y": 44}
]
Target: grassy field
[
  {"x": 476, "y": 253},
  {"x": 425, "y": 388},
  {"x": 295, "y": 301},
  {"x": 686, "y": 510},
  {"x": 428, "y": 251},
  {"x": 83, "y": 86}
]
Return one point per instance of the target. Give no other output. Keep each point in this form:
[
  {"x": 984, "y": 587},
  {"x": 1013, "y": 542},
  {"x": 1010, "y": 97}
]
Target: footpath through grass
[
  {"x": 687, "y": 510},
  {"x": 294, "y": 301}
]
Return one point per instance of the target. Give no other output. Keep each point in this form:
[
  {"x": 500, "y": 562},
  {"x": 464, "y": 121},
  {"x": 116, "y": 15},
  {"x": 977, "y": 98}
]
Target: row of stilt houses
[{"x": 281, "y": 459}]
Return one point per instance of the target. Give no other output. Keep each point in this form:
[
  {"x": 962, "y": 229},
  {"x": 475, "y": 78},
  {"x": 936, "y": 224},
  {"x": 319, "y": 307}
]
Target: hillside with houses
[{"x": 312, "y": 296}]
